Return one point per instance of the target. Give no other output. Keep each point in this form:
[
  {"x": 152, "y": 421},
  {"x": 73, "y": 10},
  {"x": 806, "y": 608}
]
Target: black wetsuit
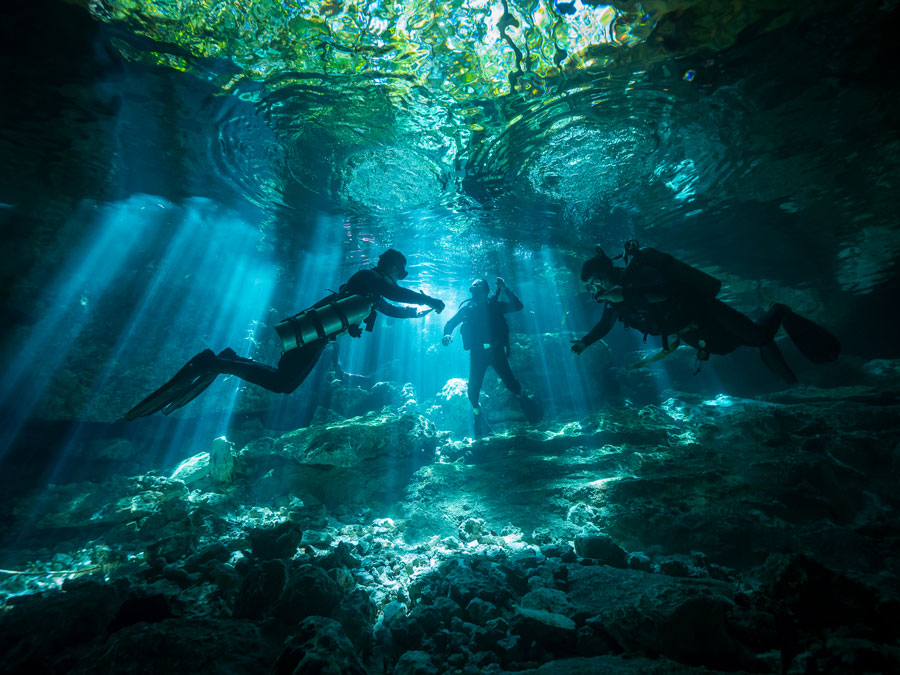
[
  {"x": 486, "y": 338},
  {"x": 659, "y": 298},
  {"x": 721, "y": 327},
  {"x": 295, "y": 365}
]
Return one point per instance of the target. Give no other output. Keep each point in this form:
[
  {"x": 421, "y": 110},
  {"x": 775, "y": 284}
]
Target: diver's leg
[
  {"x": 750, "y": 333},
  {"x": 504, "y": 371},
  {"x": 530, "y": 407},
  {"x": 759, "y": 333},
  {"x": 478, "y": 363},
  {"x": 292, "y": 369}
]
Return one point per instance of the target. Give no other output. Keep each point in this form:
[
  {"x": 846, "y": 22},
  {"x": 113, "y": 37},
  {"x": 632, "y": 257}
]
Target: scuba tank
[
  {"x": 325, "y": 321},
  {"x": 687, "y": 280}
]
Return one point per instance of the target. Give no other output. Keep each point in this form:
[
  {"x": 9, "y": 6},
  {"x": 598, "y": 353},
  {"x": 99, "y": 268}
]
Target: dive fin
[
  {"x": 481, "y": 426},
  {"x": 813, "y": 341},
  {"x": 172, "y": 390},
  {"x": 771, "y": 356},
  {"x": 650, "y": 359},
  {"x": 190, "y": 392}
]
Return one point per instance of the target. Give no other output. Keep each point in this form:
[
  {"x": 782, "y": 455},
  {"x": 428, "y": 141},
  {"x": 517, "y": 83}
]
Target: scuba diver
[
  {"x": 660, "y": 295},
  {"x": 485, "y": 336},
  {"x": 304, "y": 337}
]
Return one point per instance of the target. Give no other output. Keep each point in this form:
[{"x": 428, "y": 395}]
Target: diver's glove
[
  {"x": 446, "y": 340},
  {"x": 435, "y": 304},
  {"x": 355, "y": 331},
  {"x": 578, "y": 346}
]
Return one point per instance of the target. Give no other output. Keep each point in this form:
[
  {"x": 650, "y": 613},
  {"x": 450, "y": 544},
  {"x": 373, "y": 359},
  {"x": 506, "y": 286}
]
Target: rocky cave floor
[{"x": 693, "y": 536}]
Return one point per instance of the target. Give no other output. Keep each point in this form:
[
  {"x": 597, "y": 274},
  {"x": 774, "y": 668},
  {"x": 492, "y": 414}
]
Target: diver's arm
[
  {"x": 514, "y": 304},
  {"x": 598, "y": 332},
  {"x": 411, "y": 297},
  {"x": 401, "y": 294},
  {"x": 397, "y": 293},
  {"x": 454, "y": 321},
  {"x": 371, "y": 283},
  {"x": 396, "y": 311}
]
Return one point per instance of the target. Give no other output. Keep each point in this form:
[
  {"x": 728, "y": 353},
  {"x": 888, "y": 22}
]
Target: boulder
[
  {"x": 221, "y": 461},
  {"x": 485, "y": 582},
  {"x": 36, "y": 630},
  {"x": 319, "y": 646},
  {"x": 549, "y": 600},
  {"x": 260, "y": 589},
  {"x": 614, "y": 665},
  {"x": 600, "y": 547},
  {"x": 280, "y": 541},
  {"x": 554, "y": 632},
  {"x": 682, "y": 619},
  {"x": 452, "y": 410},
  {"x": 356, "y": 614},
  {"x": 193, "y": 470},
  {"x": 184, "y": 646},
  {"x": 415, "y": 663},
  {"x": 348, "y": 443},
  {"x": 481, "y": 611},
  {"x": 309, "y": 592}
]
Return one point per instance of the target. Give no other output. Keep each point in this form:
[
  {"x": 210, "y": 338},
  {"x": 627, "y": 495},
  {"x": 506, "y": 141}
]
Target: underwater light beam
[{"x": 87, "y": 276}]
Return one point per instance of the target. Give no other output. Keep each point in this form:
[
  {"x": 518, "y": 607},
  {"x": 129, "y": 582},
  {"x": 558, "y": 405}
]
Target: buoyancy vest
[
  {"x": 686, "y": 288},
  {"x": 495, "y": 332},
  {"x": 682, "y": 279}
]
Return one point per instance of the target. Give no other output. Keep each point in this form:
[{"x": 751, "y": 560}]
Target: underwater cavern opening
[{"x": 449, "y": 337}]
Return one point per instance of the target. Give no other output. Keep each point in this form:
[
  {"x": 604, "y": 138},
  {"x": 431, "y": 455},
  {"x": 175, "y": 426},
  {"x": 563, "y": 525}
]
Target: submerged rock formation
[{"x": 718, "y": 535}]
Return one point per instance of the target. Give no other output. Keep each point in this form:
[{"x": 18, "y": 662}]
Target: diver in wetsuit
[
  {"x": 486, "y": 337},
  {"x": 660, "y": 295},
  {"x": 304, "y": 336}
]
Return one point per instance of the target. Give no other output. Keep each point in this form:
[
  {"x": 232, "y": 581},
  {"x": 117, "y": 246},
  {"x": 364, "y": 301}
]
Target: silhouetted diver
[
  {"x": 304, "y": 336},
  {"x": 485, "y": 336},
  {"x": 660, "y": 295}
]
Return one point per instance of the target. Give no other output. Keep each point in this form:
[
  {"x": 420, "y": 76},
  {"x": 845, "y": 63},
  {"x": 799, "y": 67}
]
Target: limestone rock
[
  {"x": 484, "y": 581},
  {"x": 554, "y": 632},
  {"x": 309, "y": 592},
  {"x": 600, "y": 547},
  {"x": 549, "y": 600},
  {"x": 317, "y": 539},
  {"x": 180, "y": 645},
  {"x": 36, "y": 629},
  {"x": 319, "y": 646},
  {"x": 453, "y": 411},
  {"x": 280, "y": 541},
  {"x": 356, "y": 614},
  {"x": 480, "y": 611},
  {"x": 340, "y": 556},
  {"x": 356, "y": 440},
  {"x": 415, "y": 663},
  {"x": 193, "y": 470},
  {"x": 261, "y": 589},
  {"x": 221, "y": 461},
  {"x": 473, "y": 528},
  {"x": 614, "y": 665},
  {"x": 683, "y": 619}
]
